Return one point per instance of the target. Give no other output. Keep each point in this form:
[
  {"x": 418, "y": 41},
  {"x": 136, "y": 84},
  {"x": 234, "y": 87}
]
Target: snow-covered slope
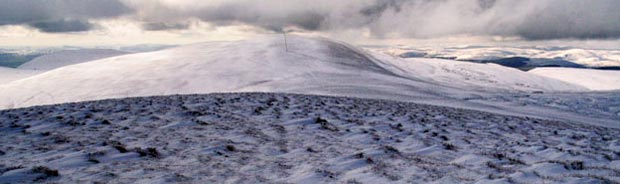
[
  {"x": 312, "y": 66},
  {"x": 8, "y": 75},
  {"x": 68, "y": 57},
  {"x": 275, "y": 138},
  {"x": 591, "y": 79},
  {"x": 473, "y": 76}
]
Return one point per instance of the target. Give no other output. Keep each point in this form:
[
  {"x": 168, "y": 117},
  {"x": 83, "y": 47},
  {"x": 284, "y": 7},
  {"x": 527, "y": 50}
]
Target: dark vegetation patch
[
  {"x": 46, "y": 172},
  {"x": 148, "y": 152}
]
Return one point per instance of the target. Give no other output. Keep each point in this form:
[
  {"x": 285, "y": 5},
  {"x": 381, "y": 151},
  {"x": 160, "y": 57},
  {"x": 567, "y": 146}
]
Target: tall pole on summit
[{"x": 285, "y": 42}]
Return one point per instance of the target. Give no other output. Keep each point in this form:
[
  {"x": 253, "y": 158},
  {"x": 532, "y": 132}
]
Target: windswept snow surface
[
  {"x": 8, "y": 75},
  {"x": 68, "y": 57},
  {"x": 278, "y": 138},
  {"x": 591, "y": 79},
  {"x": 311, "y": 66}
]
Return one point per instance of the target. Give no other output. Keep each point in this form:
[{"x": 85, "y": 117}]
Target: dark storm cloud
[
  {"x": 305, "y": 20},
  {"x": 161, "y": 26},
  {"x": 254, "y": 14},
  {"x": 378, "y": 8},
  {"x": 59, "y": 15},
  {"x": 62, "y": 26}
]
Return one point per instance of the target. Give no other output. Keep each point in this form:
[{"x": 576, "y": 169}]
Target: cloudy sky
[{"x": 125, "y": 22}]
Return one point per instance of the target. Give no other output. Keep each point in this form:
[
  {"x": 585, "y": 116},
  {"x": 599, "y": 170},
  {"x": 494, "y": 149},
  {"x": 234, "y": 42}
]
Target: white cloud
[
  {"x": 531, "y": 19},
  {"x": 347, "y": 19}
]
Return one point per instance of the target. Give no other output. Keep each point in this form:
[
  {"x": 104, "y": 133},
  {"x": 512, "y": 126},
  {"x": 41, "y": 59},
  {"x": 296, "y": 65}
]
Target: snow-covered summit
[{"x": 310, "y": 66}]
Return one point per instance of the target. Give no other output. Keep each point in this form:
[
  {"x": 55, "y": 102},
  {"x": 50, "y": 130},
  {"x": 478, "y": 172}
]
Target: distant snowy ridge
[
  {"x": 591, "y": 79},
  {"x": 586, "y": 57},
  {"x": 68, "y": 57},
  {"x": 8, "y": 75}
]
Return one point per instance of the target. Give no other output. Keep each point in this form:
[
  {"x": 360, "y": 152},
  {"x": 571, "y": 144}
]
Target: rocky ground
[{"x": 285, "y": 138}]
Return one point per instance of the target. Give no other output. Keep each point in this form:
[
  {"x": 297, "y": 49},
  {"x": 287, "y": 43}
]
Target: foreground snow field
[{"x": 278, "y": 138}]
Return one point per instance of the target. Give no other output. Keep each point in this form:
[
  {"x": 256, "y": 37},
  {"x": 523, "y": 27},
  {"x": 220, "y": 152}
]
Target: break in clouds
[{"x": 529, "y": 19}]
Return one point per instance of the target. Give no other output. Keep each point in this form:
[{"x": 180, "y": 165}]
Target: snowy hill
[
  {"x": 313, "y": 66},
  {"x": 68, "y": 57},
  {"x": 8, "y": 75},
  {"x": 275, "y": 138},
  {"x": 591, "y": 79}
]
